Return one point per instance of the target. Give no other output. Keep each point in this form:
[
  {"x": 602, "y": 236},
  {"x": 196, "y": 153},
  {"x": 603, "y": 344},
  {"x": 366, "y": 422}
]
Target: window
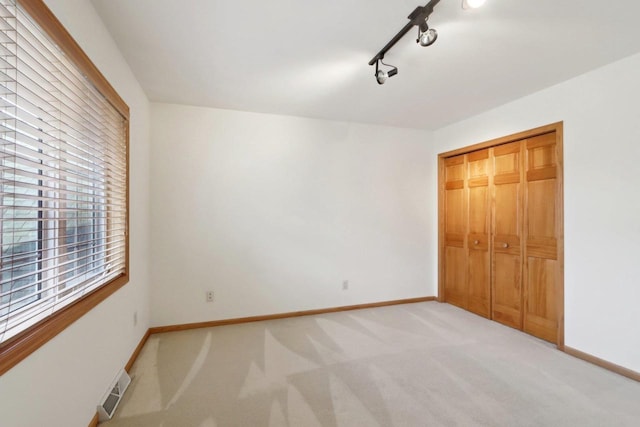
[{"x": 63, "y": 181}]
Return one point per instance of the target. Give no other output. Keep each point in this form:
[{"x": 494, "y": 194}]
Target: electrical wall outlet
[
  {"x": 345, "y": 285},
  {"x": 209, "y": 296},
  {"x": 135, "y": 318}
]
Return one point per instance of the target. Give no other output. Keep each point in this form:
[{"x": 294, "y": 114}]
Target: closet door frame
[{"x": 559, "y": 279}]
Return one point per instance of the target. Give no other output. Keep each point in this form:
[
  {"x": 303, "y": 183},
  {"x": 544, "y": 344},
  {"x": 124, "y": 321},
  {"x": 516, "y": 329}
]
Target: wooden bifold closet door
[
  {"x": 478, "y": 232},
  {"x": 507, "y": 235},
  {"x": 501, "y": 231}
]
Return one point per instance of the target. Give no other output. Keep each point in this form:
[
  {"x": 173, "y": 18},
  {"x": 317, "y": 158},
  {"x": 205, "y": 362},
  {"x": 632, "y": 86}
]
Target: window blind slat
[
  {"x": 42, "y": 125},
  {"x": 58, "y": 70},
  {"x": 99, "y": 246},
  {"x": 28, "y": 160},
  {"x": 105, "y": 256}
]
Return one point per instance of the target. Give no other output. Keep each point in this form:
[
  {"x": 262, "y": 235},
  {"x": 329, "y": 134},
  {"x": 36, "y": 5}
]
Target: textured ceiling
[{"x": 309, "y": 58}]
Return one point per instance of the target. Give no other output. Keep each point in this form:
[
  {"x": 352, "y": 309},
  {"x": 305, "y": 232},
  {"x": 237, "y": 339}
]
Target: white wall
[
  {"x": 274, "y": 212},
  {"x": 61, "y": 383},
  {"x": 602, "y": 202}
]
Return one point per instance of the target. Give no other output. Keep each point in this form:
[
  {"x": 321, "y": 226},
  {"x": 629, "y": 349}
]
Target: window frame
[{"x": 17, "y": 348}]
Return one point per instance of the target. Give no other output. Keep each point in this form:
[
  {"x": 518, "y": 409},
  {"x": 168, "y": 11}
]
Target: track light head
[
  {"x": 382, "y": 76},
  {"x": 428, "y": 37}
]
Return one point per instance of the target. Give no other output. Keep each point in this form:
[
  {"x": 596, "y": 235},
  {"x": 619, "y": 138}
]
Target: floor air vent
[{"x": 110, "y": 401}]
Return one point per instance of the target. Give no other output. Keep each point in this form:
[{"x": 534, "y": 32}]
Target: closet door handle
[
  {"x": 505, "y": 245},
  {"x": 475, "y": 242}
]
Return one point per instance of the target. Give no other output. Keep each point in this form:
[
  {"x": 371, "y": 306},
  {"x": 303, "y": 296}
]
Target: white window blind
[{"x": 63, "y": 178}]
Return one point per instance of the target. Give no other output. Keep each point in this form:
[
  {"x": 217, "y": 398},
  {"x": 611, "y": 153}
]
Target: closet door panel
[
  {"x": 478, "y": 237},
  {"x": 506, "y": 290},
  {"x": 541, "y": 208},
  {"x": 455, "y": 277},
  {"x": 540, "y": 311},
  {"x": 455, "y": 228},
  {"x": 507, "y": 221},
  {"x": 541, "y": 231},
  {"x": 455, "y": 213},
  {"x": 506, "y": 286},
  {"x": 479, "y": 282}
]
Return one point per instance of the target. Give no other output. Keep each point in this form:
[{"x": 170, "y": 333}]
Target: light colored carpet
[{"x": 425, "y": 364}]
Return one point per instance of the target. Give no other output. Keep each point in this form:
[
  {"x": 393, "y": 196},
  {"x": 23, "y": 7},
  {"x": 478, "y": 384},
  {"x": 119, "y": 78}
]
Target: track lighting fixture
[
  {"x": 381, "y": 75},
  {"x": 426, "y": 37}
]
